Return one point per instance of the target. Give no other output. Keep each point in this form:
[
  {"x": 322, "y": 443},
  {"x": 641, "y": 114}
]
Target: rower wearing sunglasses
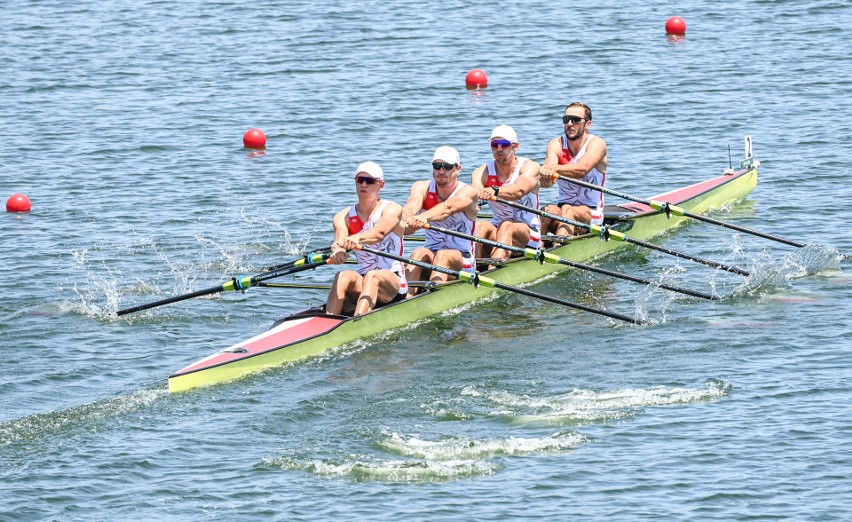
[
  {"x": 512, "y": 178},
  {"x": 579, "y": 155},
  {"x": 376, "y": 222},
  {"x": 446, "y": 202}
]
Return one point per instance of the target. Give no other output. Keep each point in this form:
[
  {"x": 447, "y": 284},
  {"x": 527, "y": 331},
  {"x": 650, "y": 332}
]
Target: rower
[
  {"x": 579, "y": 155},
  {"x": 372, "y": 221},
  {"x": 448, "y": 203},
  {"x": 512, "y": 178}
]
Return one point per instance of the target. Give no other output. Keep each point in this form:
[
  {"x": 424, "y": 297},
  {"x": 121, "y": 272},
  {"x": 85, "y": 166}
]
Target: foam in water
[
  {"x": 363, "y": 468},
  {"x": 457, "y": 448},
  {"x": 587, "y": 406}
]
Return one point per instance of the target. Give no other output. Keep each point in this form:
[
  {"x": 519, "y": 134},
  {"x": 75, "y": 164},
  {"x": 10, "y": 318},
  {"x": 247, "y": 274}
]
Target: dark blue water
[{"x": 122, "y": 122}]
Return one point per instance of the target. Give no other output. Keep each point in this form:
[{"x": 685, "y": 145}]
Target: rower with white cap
[
  {"x": 512, "y": 178},
  {"x": 445, "y": 202},
  {"x": 376, "y": 222}
]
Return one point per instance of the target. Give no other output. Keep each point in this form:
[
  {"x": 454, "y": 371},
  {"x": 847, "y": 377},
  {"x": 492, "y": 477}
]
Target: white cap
[
  {"x": 448, "y": 154},
  {"x": 504, "y": 131},
  {"x": 370, "y": 168}
]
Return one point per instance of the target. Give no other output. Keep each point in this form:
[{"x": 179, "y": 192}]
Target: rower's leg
[
  {"x": 451, "y": 259},
  {"x": 579, "y": 213},
  {"x": 380, "y": 287},
  {"x": 414, "y": 272},
  {"x": 485, "y": 230},
  {"x": 548, "y": 226},
  {"x": 344, "y": 291},
  {"x": 511, "y": 233}
]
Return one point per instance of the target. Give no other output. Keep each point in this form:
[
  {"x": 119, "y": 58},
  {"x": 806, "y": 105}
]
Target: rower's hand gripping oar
[
  {"x": 670, "y": 209},
  {"x": 243, "y": 283},
  {"x": 475, "y": 279},
  {"x": 546, "y": 257},
  {"x": 606, "y": 233}
]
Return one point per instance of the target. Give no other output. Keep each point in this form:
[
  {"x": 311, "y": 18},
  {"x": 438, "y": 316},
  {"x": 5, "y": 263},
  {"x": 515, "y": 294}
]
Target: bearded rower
[{"x": 579, "y": 155}]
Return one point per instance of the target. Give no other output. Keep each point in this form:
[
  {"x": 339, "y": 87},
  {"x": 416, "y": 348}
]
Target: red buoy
[
  {"x": 476, "y": 79},
  {"x": 675, "y": 26},
  {"x": 254, "y": 139},
  {"x": 18, "y": 203}
]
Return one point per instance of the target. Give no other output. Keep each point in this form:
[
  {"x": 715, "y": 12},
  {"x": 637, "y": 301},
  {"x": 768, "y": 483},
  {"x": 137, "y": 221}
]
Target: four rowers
[{"x": 446, "y": 202}]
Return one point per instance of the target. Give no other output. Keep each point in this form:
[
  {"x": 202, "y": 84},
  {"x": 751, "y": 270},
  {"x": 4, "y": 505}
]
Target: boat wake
[
  {"x": 414, "y": 459},
  {"x": 364, "y": 468},
  {"x": 460, "y": 448},
  {"x": 87, "y": 417},
  {"x": 584, "y": 407}
]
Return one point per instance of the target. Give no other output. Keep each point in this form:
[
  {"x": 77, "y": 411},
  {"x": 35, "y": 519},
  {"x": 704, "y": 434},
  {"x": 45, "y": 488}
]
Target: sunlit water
[{"x": 123, "y": 122}]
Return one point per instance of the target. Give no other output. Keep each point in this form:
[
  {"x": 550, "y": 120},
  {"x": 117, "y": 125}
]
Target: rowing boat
[{"x": 312, "y": 332}]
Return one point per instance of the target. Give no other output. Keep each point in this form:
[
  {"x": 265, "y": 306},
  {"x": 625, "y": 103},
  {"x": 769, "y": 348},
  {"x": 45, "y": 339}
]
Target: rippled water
[{"x": 122, "y": 122}]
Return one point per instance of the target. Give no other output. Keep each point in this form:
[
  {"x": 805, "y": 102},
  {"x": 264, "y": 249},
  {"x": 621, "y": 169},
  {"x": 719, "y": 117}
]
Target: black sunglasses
[
  {"x": 438, "y": 165},
  {"x": 365, "y": 179},
  {"x": 572, "y": 119}
]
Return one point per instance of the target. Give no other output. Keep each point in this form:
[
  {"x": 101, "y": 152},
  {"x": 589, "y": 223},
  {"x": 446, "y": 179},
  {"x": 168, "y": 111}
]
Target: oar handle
[{"x": 421, "y": 264}]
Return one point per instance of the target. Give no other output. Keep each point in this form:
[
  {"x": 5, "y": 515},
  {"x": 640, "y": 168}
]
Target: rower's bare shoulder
[
  {"x": 530, "y": 167},
  {"x": 478, "y": 176},
  {"x": 420, "y": 186}
]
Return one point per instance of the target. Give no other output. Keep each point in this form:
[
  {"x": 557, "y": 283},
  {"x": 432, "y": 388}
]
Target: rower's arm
[
  {"x": 595, "y": 156},
  {"x": 341, "y": 232},
  {"x": 527, "y": 182},
  {"x": 478, "y": 178},
  {"x": 390, "y": 221},
  {"x": 414, "y": 203},
  {"x": 464, "y": 200},
  {"x": 551, "y": 161}
]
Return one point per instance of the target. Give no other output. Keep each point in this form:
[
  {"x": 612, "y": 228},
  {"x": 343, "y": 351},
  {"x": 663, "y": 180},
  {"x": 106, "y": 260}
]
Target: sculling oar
[
  {"x": 476, "y": 280},
  {"x": 670, "y": 209},
  {"x": 289, "y": 264},
  {"x": 244, "y": 283},
  {"x": 546, "y": 257},
  {"x": 607, "y": 233}
]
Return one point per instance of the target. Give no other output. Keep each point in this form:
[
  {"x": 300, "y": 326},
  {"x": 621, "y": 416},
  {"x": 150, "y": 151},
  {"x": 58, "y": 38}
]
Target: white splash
[{"x": 455, "y": 448}]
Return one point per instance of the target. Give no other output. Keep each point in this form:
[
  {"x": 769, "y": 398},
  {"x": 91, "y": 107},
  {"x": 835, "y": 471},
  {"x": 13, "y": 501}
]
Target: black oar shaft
[
  {"x": 484, "y": 281},
  {"x": 243, "y": 283},
  {"x": 578, "y": 306},
  {"x": 745, "y": 230},
  {"x": 614, "y": 234},
  {"x": 681, "y": 211},
  {"x": 574, "y": 264},
  {"x": 169, "y": 300},
  {"x": 684, "y": 255}
]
